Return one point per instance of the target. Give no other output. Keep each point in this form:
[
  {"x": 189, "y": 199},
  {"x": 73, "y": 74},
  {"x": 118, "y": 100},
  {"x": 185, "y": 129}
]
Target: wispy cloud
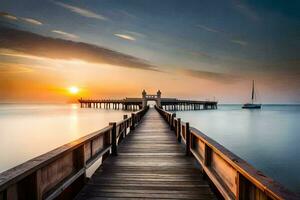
[
  {"x": 206, "y": 75},
  {"x": 126, "y": 37},
  {"x": 8, "y": 16},
  {"x": 36, "y": 45},
  {"x": 225, "y": 34},
  {"x": 65, "y": 34},
  {"x": 240, "y": 42},
  {"x": 32, "y": 21},
  {"x": 81, "y": 11},
  {"x": 20, "y": 19},
  {"x": 135, "y": 34},
  {"x": 209, "y": 29},
  {"x": 245, "y": 10},
  {"x": 15, "y": 68}
]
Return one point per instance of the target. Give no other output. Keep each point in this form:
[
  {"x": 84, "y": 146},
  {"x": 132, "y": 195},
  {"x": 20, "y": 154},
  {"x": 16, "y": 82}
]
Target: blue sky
[{"x": 241, "y": 38}]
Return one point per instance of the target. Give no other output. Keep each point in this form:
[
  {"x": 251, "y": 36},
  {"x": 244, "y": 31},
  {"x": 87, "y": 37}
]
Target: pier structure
[
  {"x": 150, "y": 154},
  {"x": 173, "y": 104}
]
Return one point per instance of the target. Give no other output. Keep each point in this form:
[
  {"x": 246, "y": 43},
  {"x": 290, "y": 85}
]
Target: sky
[{"x": 192, "y": 49}]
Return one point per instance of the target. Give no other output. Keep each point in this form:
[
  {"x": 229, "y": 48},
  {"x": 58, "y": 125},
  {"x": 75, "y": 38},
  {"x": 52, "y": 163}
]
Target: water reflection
[{"x": 27, "y": 131}]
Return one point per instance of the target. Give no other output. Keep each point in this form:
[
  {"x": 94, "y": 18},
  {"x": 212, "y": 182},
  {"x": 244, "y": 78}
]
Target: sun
[{"x": 73, "y": 90}]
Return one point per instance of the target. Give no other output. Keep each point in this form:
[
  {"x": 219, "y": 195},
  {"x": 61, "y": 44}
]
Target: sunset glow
[
  {"x": 193, "y": 57},
  {"x": 73, "y": 90}
]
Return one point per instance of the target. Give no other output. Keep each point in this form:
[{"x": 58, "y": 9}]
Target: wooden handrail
[
  {"x": 232, "y": 176},
  {"x": 48, "y": 176}
]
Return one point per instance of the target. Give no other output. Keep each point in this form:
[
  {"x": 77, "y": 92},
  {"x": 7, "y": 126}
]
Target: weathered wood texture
[
  {"x": 150, "y": 165},
  {"x": 232, "y": 176},
  {"x": 60, "y": 173}
]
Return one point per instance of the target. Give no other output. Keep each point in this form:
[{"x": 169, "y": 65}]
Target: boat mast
[{"x": 252, "y": 98}]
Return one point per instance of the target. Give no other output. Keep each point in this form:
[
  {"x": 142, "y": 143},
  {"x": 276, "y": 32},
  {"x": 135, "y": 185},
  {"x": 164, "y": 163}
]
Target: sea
[
  {"x": 268, "y": 139},
  {"x": 29, "y": 130}
]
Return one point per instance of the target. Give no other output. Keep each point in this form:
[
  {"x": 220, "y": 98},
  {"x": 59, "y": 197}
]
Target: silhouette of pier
[{"x": 139, "y": 103}]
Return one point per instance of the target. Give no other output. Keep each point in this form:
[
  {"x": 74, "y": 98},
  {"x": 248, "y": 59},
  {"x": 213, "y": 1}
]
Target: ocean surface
[
  {"x": 29, "y": 130},
  {"x": 268, "y": 139}
]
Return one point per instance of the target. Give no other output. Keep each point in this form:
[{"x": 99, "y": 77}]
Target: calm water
[
  {"x": 269, "y": 139},
  {"x": 27, "y": 131}
]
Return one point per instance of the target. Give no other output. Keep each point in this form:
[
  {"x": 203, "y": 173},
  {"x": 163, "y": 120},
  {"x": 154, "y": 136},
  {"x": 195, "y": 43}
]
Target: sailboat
[{"x": 252, "y": 105}]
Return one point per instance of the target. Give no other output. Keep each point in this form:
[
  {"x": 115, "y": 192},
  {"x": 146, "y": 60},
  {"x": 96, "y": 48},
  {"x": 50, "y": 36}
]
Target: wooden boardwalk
[{"x": 150, "y": 165}]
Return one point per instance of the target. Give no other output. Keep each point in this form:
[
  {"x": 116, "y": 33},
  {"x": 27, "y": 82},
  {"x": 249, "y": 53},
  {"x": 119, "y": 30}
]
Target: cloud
[
  {"x": 65, "y": 34},
  {"x": 245, "y": 10},
  {"x": 214, "y": 76},
  {"x": 206, "y": 28},
  {"x": 126, "y": 37},
  {"x": 32, "y": 21},
  {"x": 240, "y": 42},
  {"x": 36, "y": 45},
  {"x": 135, "y": 34},
  {"x": 81, "y": 11},
  {"x": 8, "y": 68},
  {"x": 24, "y": 19},
  {"x": 8, "y": 16}
]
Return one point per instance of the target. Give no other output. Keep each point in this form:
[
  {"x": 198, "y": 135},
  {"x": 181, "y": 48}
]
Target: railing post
[
  {"x": 207, "y": 155},
  {"x": 243, "y": 190},
  {"x": 188, "y": 139},
  {"x": 114, "y": 146},
  {"x": 132, "y": 127},
  {"x": 125, "y": 127},
  {"x": 172, "y": 121},
  {"x": 178, "y": 130}
]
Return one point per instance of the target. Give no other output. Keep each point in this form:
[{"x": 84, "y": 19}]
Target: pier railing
[
  {"x": 233, "y": 177},
  {"x": 61, "y": 173}
]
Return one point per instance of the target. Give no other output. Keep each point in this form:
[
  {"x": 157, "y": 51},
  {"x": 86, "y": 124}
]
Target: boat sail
[{"x": 252, "y": 105}]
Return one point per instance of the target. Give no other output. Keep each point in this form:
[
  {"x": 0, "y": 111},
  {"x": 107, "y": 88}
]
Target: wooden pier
[
  {"x": 150, "y": 165},
  {"x": 173, "y": 104},
  {"x": 148, "y": 155},
  {"x": 116, "y": 104}
]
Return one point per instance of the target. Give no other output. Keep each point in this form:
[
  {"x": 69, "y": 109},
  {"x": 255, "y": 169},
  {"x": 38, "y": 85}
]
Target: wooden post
[
  {"x": 125, "y": 131},
  {"x": 172, "y": 121},
  {"x": 114, "y": 139},
  {"x": 207, "y": 155},
  {"x": 188, "y": 139},
  {"x": 242, "y": 189},
  {"x": 178, "y": 130},
  {"x": 132, "y": 127}
]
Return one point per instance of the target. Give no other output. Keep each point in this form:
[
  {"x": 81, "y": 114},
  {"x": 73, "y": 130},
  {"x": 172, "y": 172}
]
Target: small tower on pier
[
  {"x": 158, "y": 101},
  {"x": 144, "y": 94}
]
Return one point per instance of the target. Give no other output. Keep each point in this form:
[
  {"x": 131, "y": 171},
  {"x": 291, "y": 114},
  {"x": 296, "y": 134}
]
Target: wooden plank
[{"x": 150, "y": 165}]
